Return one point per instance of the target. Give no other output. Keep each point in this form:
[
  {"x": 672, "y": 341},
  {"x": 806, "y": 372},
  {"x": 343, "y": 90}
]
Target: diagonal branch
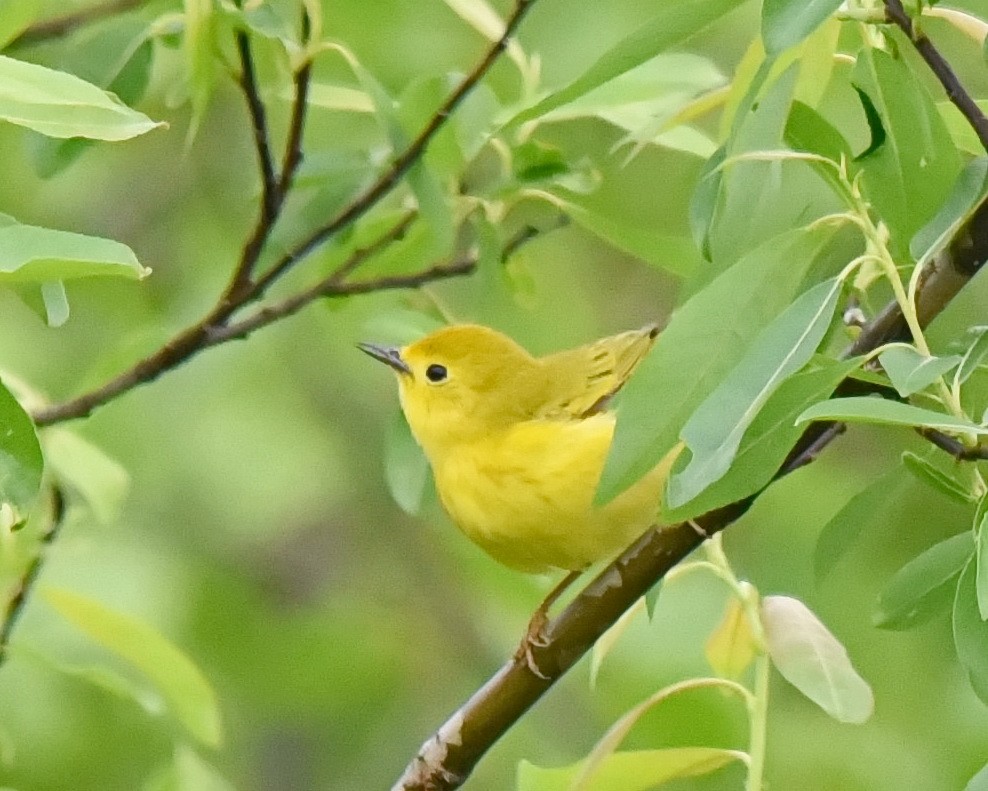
[
  {"x": 896, "y": 14},
  {"x": 15, "y": 606},
  {"x": 401, "y": 164},
  {"x": 448, "y": 757},
  {"x": 243, "y": 291}
]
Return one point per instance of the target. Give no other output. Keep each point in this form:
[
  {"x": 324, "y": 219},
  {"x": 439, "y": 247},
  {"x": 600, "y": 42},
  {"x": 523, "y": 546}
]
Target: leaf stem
[{"x": 758, "y": 723}]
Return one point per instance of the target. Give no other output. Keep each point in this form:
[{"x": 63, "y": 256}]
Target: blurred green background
[{"x": 258, "y": 533}]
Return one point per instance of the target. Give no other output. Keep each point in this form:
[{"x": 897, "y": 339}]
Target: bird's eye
[{"x": 435, "y": 372}]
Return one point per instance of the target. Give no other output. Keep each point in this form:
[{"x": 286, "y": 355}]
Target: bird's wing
[{"x": 583, "y": 380}]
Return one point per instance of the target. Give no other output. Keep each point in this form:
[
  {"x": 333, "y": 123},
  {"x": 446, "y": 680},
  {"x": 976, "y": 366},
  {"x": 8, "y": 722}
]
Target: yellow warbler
[{"x": 517, "y": 443}]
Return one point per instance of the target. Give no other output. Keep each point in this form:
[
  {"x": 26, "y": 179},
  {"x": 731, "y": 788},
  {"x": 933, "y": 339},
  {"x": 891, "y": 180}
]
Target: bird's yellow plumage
[{"x": 517, "y": 443}]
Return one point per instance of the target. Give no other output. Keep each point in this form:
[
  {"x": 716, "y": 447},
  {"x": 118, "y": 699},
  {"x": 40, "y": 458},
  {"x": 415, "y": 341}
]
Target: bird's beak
[{"x": 389, "y": 355}]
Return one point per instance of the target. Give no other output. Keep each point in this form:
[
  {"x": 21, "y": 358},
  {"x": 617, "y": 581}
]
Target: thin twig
[
  {"x": 67, "y": 23},
  {"x": 962, "y": 100},
  {"x": 400, "y": 165},
  {"x": 243, "y": 291},
  {"x": 954, "y": 447},
  {"x": 447, "y": 758},
  {"x": 270, "y": 194},
  {"x": 293, "y": 148},
  {"x": 25, "y": 585}
]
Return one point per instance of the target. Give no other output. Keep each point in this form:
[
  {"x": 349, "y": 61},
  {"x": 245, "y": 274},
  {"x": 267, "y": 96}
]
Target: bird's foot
[{"x": 535, "y": 637}]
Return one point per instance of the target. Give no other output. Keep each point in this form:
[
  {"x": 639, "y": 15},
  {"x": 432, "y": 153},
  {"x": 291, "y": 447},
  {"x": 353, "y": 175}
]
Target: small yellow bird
[{"x": 517, "y": 444}]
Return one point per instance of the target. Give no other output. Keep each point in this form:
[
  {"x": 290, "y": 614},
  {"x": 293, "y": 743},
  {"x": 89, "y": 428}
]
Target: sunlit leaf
[
  {"x": 924, "y": 586},
  {"x": 730, "y": 648},
  {"x": 714, "y": 431},
  {"x": 32, "y": 254},
  {"x": 58, "y": 104},
  {"x": 787, "y": 22},
  {"x": 910, "y": 371},
  {"x": 867, "y": 409},
  {"x": 971, "y": 632},
  {"x": 188, "y": 771},
  {"x": 21, "y": 462},
  {"x": 933, "y": 476},
  {"x": 672, "y": 25},
  {"x": 183, "y": 686},
  {"x": 56, "y": 303},
  {"x": 811, "y": 659},
  {"x": 640, "y": 770}
]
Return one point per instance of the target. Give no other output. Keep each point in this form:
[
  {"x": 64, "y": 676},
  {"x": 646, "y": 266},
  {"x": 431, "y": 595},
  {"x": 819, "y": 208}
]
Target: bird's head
[{"x": 459, "y": 383}]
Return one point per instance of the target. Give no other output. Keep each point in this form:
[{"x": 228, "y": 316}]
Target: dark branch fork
[
  {"x": 448, "y": 757},
  {"x": 244, "y": 288}
]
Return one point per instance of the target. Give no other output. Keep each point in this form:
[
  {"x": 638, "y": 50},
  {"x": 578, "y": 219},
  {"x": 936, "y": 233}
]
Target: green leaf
[
  {"x": 868, "y": 409},
  {"x": 860, "y": 511},
  {"x": 785, "y": 23},
  {"x": 428, "y": 192},
  {"x": 16, "y": 18},
  {"x": 199, "y": 48},
  {"x": 730, "y": 649},
  {"x": 910, "y": 168},
  {"x": 961, "y": 132},
  {"x": 974, "y": 356},
  {"x": 56, "y": 303},
  {"x": 183, "y": 686},
  {"x": 188, "y": 771},
  {"x": 936, "y": 478},
  {"x": 674, "y": 254},
  {"x": 32, "y": 254},
  {"x": 103, "y": 678},
  {"x": 971, "y": 632},
  {"x": 675, "y": 23},
  {"x": 924, "y": 585},
  {"x": 811, "y": 659},
  {"x": 965, "y": 196},
  {"x": 981, "y": 559},
  {"x": 807, "y": 130},
  {"x": 21, "y": 462},
  {"x": 714, "y": 431},
  {"x": 405, "y": 466},
  {"x": 335, "y": 97},
  {"x": 640, "y": 770},
  {"x": 768, "y": 440},
  {"x": 911, "y": 371},
  {"x": 99, "y": 481},
  {"x": 61, "y": 105},
  {"x": 979, "y": 782},
  {"x": 694, "y": 352}
]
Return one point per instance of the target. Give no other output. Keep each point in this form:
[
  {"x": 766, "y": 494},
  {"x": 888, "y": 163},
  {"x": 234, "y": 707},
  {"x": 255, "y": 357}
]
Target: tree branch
[
  {"x": 25, "y": 585},
  {"x": 400, "y": 165},
  {"x": 448, "y": 757},
  {"x": 243, "y": 291},
  {"x": 962, "y": 100}
]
